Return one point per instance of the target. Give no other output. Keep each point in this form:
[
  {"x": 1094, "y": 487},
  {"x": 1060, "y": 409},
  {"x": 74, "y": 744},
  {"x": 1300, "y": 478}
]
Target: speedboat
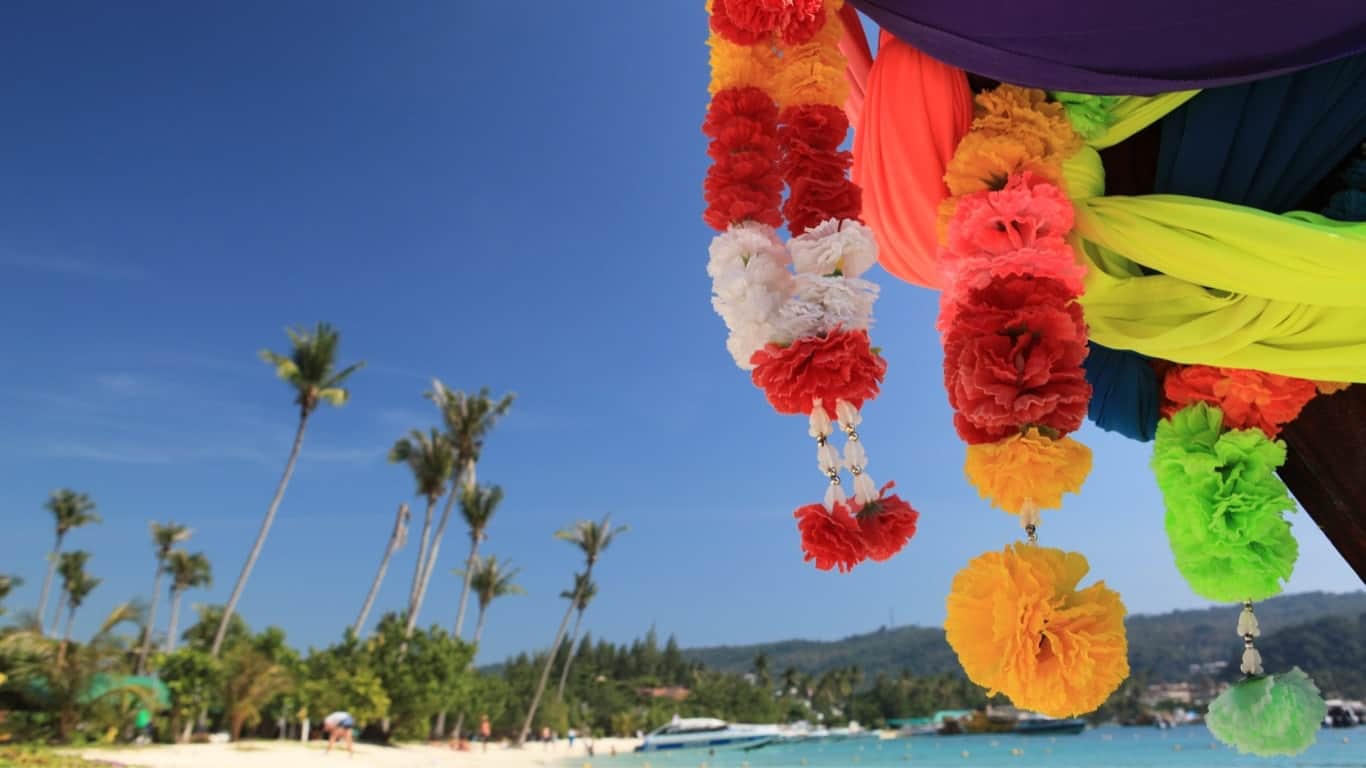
[
  {"x": 707, "y": 733},
  {"x": 1032, "y": 724}
]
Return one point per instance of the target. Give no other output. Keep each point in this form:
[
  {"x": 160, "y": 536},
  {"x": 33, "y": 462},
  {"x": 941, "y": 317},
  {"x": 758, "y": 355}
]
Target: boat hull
[{"x": 719, "y": 742}]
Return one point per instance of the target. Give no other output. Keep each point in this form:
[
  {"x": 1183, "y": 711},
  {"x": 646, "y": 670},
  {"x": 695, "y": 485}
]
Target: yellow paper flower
[
  {"x": 740, "y": 66},
  {"x": 1026, "y": 114},
  {"x": 813, "y": 72},
  {"x": 984, "y": 161},
  {"x": 1028, "y": 467},
  {"x": 1020, "y": 627}
]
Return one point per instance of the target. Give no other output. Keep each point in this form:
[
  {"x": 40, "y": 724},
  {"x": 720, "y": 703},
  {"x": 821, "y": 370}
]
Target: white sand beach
[{"x": 291, "y": 754}]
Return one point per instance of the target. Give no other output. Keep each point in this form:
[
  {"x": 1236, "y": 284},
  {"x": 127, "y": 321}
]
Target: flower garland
[
  {"x": 1014, "y": 341},
  {"x": 1215, "y": 457},
  {"x": 798, "y": 313}
]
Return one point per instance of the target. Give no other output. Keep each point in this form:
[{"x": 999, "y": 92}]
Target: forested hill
[{"x": 1161, "y": 646}]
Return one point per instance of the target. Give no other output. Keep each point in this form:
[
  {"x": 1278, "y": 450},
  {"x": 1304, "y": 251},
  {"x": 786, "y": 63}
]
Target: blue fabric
[{"x": 1266, "y": 145}]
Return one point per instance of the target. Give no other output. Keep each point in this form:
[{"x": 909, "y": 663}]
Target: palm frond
[{"x": 477, "y": 506}]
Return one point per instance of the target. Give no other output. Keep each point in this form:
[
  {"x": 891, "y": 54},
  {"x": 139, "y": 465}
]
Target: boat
[
  {"x": 707, "y": 733},
  {"x": 1033, "y": 725}
]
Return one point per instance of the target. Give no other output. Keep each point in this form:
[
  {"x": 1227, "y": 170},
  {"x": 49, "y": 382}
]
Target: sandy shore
[{"x": 283, "y": 754}]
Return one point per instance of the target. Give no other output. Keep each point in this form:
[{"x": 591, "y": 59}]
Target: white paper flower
[
  {"x": 844, "y": 246},
  {"x": 734, "y": 248},
  {"x": 821, "y": 304}
]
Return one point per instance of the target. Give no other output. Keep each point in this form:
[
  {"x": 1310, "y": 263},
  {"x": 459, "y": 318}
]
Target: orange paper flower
[
  {"x": 1028, "y": 467},
  {"x": 813, "y": 72},
  {"x": 1026, "y": 114},
  {"x": 986, "y": 161},
  {"x": 1020, "y": 627},
  {"x": 1331, "y": 387},
  {"x": 1266, "y": 401}
]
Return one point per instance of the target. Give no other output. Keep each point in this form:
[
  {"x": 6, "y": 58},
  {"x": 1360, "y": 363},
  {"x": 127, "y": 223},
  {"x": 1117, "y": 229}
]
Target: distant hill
[{"x": 1161, "y": 646}]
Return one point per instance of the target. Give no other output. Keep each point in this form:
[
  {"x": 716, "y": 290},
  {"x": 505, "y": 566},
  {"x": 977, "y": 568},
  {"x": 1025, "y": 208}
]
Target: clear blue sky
[{"x": 496, "y": 194}]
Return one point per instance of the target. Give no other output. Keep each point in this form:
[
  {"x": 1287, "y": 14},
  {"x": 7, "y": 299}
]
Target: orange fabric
[
  {"x": 915, "y": 112},
  {"x": 859, "y": 60}
]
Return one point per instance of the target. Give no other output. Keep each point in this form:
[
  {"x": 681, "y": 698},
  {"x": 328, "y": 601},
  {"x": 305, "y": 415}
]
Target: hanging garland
[{"x": 798, "y": 313}]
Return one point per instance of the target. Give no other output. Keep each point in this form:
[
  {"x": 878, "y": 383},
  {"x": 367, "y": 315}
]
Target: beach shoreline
[{"x": 293, "y": 754}]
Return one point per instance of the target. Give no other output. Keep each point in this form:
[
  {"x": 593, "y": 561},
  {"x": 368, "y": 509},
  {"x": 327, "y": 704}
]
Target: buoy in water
[
  {"x": 966, "y": 754},
  {"x": 1017, "y": 751},
  {"x": 1176, "y": 747}
]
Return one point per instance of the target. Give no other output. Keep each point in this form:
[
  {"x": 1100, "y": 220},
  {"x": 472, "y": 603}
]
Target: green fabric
[
  {"x": 1200, "y": 281},
  {"x": 1268, "y": 716},
  {"x": 1225, "y": 505}
]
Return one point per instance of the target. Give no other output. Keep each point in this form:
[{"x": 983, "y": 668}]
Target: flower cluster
[
  {"x": 1248, "y": 399},
  {"x": 1013, "y": 332},
  {"x": 850, "y": 532},
  {"x": 798, "y": 313},
  {"x": 1269, "y": 716},
  {"x": 1021, "y": 627}
]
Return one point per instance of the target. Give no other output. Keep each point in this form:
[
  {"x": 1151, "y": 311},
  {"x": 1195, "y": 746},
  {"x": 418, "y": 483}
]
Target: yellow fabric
[
  {"x": 1239, "y": 287},
  {"x": 1134, "y": 113}
]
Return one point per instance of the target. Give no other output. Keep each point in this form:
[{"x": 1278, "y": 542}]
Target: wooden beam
[{"x": 1326, "y": 469}]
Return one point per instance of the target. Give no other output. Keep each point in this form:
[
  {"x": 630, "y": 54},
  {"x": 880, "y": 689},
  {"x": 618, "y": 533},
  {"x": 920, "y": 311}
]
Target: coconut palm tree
[
  {"x": 468, "y": 420},
  {"x": 582, "y": 594},
  {"x": 432, "y": 460},
  {"x": 70, "y": 510},
  {"x": 188, "y": 571},
  {"x": 490, "y": 581},
  {"x": 592, "y": 539},
  {"x": 67, "y": 687},
  {"x": 76, "y": 587},
  {"x": 397, "y": 539},
  {"x": 477, "y": 505},
  {"x": 164, "y": 539},
  {"x": 310, "y": 369},
  {"x": 7, "y": 584}
]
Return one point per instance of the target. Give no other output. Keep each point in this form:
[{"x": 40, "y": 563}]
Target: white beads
[
  {"x": 1252, "y": 662},
  {"x": 1247, "y": 622}
]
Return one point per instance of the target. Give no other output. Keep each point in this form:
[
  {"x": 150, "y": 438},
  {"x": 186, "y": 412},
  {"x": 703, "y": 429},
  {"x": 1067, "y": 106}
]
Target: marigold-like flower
[
  {"x": 813, "y": 72},
  {"x": 1248, "y": 399},
  {"x": 1331, "y": 387},
  {"x": 986, "y": 161},
  {"x": 1026, "y": 114},
  {"x": 887, "y": 524},
  {"x": 1021, "y": 627},
  {"x": 1028, "y": 467},
  {"x": 839, "y": 366},
  {"x": 831, "y": 538}
]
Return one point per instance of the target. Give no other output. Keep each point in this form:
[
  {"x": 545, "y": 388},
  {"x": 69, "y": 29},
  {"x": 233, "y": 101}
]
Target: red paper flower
[
  {"x": 746, "y": 22},
  {"x": 996, "y": 222},
  {"x": 831, "y": 538},
  {"x": 744, "y": 182},
  {"x": 1012, "y": 358},
  {"x": 838, "y": 366},
  {"x": 804, "y": 18},
  {"x": 887, "y": 524},
  {"x": 1266, "y": 401},
  {"x": 820, "y": 126},
  {"x": 812, "y": 201},
  {"x": 816, "y": 171}
]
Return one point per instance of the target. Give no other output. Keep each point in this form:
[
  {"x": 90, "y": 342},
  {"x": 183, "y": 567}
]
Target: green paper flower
[
  {"x": 1089, "y": 114},
  {"x": 1225, "y": 505},
  {"x": 1268, "y": 716}
]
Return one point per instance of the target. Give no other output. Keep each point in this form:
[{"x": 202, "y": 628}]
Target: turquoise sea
[{"x": 1109, "y": 747}]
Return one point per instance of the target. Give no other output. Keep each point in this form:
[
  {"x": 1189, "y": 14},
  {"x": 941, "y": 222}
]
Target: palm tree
[
  {"x": 67, "y": 687},
  {"x": 253, "y": 679},
  {"x": 7, "y": 585},
  {"x": 468, "y": 420},
  {"x": 477, "y": 505},
  {"x": 164, "y": 539},
  {"x": 582, "y": 594},
  {"x": 76, "y": 587},
  {"x": 188, "y": 571},
  {"x": 490, "y": 581},
  {"x": 70, "y": 510},
  {"x": 432, "y": 461},
  {"x": 592, "y": 538},
  {"x": 310, "y": 369},
  {"x": 397, "y": 539}
]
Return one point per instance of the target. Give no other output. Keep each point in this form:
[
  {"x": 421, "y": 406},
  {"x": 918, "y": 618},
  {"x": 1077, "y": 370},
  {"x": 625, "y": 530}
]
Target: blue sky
[{"x": 511, "y": 202}]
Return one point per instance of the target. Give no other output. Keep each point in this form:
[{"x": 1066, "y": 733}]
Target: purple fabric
[{"x": 1133, "y": 47}]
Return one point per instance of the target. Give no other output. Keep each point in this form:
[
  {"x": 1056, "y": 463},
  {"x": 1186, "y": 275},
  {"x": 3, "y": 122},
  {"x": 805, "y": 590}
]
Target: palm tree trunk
[
  {"x": 47, "y": 587},
  {"x": 151, "y": 620},
  {"x": 422, "y": 547},
  {"x": 424, "y": 563},
  {"x": 260, "y": 538},
  {"x": 383, "y": 566},
  {"x": 66, "y": 636},
  {"x": 549, "y": 662},
  {"x": 479, "y": 624},
  {"x": 175, "y": 619},
  {"x": 569, "y": 659},
  {"x": 465, "y": 588}
]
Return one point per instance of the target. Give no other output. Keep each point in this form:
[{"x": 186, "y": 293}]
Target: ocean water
[{"x": 1108, "y": 747}]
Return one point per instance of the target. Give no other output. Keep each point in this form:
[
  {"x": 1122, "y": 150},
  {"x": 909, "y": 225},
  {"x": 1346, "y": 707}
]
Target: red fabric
[
  {"x": 839, "y": 366},
  {"x": 743, "y": 182},
  {"x": 831, "y": 538},
  {"x": 1012, "y": 358},
  {"x": 915, "y": 112},
  {"x": 859, "y": 61}
]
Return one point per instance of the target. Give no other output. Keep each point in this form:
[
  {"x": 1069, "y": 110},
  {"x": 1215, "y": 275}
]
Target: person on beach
[
  {"x": 485, "y": 731},
  {"x": 547, "y": 737},
  {"x": 573, "y": 734},
  {"x": 338, "y": 725}
]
